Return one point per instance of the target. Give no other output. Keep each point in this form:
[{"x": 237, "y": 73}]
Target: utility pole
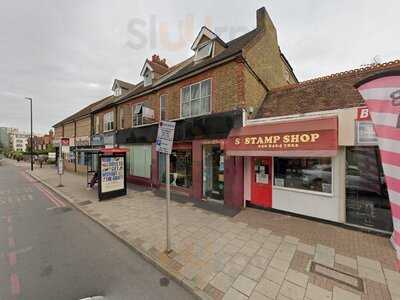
[{"x": 30, "y": 101}]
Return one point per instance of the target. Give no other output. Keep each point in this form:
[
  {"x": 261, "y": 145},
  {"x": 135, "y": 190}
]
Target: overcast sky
[{"x": 66, "y": 54}]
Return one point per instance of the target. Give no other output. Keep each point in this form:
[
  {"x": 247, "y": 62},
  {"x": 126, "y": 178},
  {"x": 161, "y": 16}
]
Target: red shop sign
[
  {"x": 363, "y": 113},
  {"x": 304, "y": 135}
]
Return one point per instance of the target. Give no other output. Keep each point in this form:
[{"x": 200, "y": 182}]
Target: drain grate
[
  {"x": 339, "y": 276},
  {"x": 61, "y": 210},
  {"x": 84, "y": 203}
]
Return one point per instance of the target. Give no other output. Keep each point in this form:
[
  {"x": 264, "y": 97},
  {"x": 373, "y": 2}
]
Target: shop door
[
  {"x": 213, "y": 172},
  {"x": 261, "y": 182}
]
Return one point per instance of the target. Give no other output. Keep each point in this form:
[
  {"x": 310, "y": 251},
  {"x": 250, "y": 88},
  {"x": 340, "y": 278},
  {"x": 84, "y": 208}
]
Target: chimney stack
[
  {"x": 156, "y": 59},
  {"x": 262, "y": 17}
]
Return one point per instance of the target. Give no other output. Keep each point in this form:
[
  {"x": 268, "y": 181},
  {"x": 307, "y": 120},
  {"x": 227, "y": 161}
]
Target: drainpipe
[
  {"x": 75, "y": 144},
  {"x": 116, "y": 127}
]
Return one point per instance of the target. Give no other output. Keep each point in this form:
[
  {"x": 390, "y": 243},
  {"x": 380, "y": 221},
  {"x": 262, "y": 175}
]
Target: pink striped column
[{"x": 381, "y": 94}]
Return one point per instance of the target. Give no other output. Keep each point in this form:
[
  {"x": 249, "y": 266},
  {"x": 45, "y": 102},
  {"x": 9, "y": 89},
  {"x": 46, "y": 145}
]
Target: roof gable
[
  {"x": 204, "y": 32},
  {"x": 123, "y": 84},
  {"x": 146, "y": 66}
]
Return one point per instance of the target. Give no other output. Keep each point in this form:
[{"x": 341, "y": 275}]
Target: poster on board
[{"x": 112, "y": 174}]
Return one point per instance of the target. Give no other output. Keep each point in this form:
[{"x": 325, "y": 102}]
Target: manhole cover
[
  {"x": 164, "y": 281},
  {"x": 339, "y": 276}
]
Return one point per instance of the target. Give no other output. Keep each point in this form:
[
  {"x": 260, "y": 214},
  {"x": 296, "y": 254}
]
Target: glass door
[
  {"x": 213, "y": 172},
  {"x": 367, "y": 199}
]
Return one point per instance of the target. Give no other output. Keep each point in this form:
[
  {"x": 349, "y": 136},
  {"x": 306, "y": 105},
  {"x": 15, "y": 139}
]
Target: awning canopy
[
  {"x": 312, "y": 137},
  {"x": 103, "y": 150}
]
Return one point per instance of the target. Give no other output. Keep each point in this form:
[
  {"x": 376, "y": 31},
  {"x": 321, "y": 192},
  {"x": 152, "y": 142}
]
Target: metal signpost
[
  {"x": 165, "y": 139},
  {"x": 64, "y": 142}
]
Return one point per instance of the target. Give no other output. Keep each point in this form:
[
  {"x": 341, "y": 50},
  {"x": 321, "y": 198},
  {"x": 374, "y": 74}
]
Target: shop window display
[
  {"x": 312, "y": 174},
  {"x": 180, "y": 168}
]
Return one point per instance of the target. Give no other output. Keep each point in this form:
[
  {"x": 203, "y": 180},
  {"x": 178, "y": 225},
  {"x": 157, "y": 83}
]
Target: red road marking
[
  {"x": 11, "y": 242},
  {"x": 12, "y": 258},
  {"x": 49, "y": 196},
  {"x": 9, "y": 219},
  {"x": 15, "y": 285}
]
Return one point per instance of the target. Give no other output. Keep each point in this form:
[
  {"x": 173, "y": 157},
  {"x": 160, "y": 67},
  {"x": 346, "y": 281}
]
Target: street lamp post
[{"x": 30, "y": 101}]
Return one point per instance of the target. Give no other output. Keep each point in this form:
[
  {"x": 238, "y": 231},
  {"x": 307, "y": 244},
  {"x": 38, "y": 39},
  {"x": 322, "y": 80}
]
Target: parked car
[
  {"x": 356, "y": 181},
  {"x": 317, "y": 174}
]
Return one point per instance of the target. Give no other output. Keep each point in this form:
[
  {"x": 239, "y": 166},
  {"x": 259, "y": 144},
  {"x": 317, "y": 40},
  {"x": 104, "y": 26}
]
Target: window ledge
[
  {"x": 328, "y": 195},
  {"x": 189, "y": 117},
  {"x": 144, "y": 125}
]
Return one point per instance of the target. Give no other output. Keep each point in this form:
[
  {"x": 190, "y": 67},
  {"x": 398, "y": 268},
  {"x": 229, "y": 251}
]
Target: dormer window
[
  {"x": 204, "y": 51},
  {"x": 118, "y": 92},
  {"x": 147, "y": 78}
]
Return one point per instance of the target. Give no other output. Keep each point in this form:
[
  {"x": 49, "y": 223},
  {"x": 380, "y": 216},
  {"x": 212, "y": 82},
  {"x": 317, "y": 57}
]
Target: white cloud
[{"x": 66, "y": 54}]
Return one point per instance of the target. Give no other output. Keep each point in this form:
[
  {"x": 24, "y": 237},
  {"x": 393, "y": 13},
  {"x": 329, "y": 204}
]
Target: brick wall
[
  {"x": 69, "y": 130},
  {"x": 83, "y": 127},
  {"x": 254, "y": 91},
  {"x": 101, "y": 118},
  {"x": 151, "y": 101},
  {"x": 227, "y": 92},
  {"x": 58, "y": 132},
  {"x": 264, "y": 57}
]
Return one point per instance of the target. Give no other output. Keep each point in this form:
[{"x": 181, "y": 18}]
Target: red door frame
[{"x": 261, "y": 193}]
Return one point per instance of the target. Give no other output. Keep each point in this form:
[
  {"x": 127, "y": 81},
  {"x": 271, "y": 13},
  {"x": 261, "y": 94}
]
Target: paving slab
[
  {"x": 341, "y": 294},
  {"x": 292, "y": 291},
  {"x": 266, "y": 254},
  {"x": 244, "y": 285},
  {"x": 314, "y": 292}
]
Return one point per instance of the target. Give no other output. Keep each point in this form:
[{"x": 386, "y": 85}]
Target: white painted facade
[
  {"x": 19, "y": 142},
  {"x": 320, "y": 205}
]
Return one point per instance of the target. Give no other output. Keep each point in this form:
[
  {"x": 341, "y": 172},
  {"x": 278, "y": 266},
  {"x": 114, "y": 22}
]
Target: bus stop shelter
[{"x": 107, "y": 168}]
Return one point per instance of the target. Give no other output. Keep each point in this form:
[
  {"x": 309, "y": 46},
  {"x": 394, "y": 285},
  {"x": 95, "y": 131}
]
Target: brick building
[
  {"x": 312, "y": 150},
  {"x": 207, "y": 95}
]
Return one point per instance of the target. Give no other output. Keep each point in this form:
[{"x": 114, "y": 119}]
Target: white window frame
[
  {"x": 108, "y": 120},
  {"x": 147, "y": 80},
  {"x": 165, "y": 107},
  {"x": 190, "y": 106},
  {"x": 333, "y": 170},
  {"x": 118, "y": 91},
  {"x": 97, "y": 124},
  {"x": 121, "y": 118},
  {"x": 210, "y": 51},
  {"x": 134, "y": 115}
]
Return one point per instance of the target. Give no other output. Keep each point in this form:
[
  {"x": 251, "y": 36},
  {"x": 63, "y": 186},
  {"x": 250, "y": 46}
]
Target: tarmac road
[{"x": 48, "y": 250}]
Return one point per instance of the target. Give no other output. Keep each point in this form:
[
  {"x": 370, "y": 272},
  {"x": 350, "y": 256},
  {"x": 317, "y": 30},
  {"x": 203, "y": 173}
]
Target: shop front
[
  {"x": 102, "y": 140},
  {"x": 290, "y": 166},
  {"x": 198, "y": 164},
  {"x": 141, "y": 157},
  {"x": 81, "y": 160},
  {"x": 324, "y": 165}
]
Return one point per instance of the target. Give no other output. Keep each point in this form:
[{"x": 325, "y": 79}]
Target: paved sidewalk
[{"x": 255, "y": 255}]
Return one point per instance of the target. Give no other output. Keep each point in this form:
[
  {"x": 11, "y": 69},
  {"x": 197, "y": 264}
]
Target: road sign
[
  {"x": 165, "y": 137},
  {"x": 64, "y": 141},
  {"x": 60, "y": 169}
]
